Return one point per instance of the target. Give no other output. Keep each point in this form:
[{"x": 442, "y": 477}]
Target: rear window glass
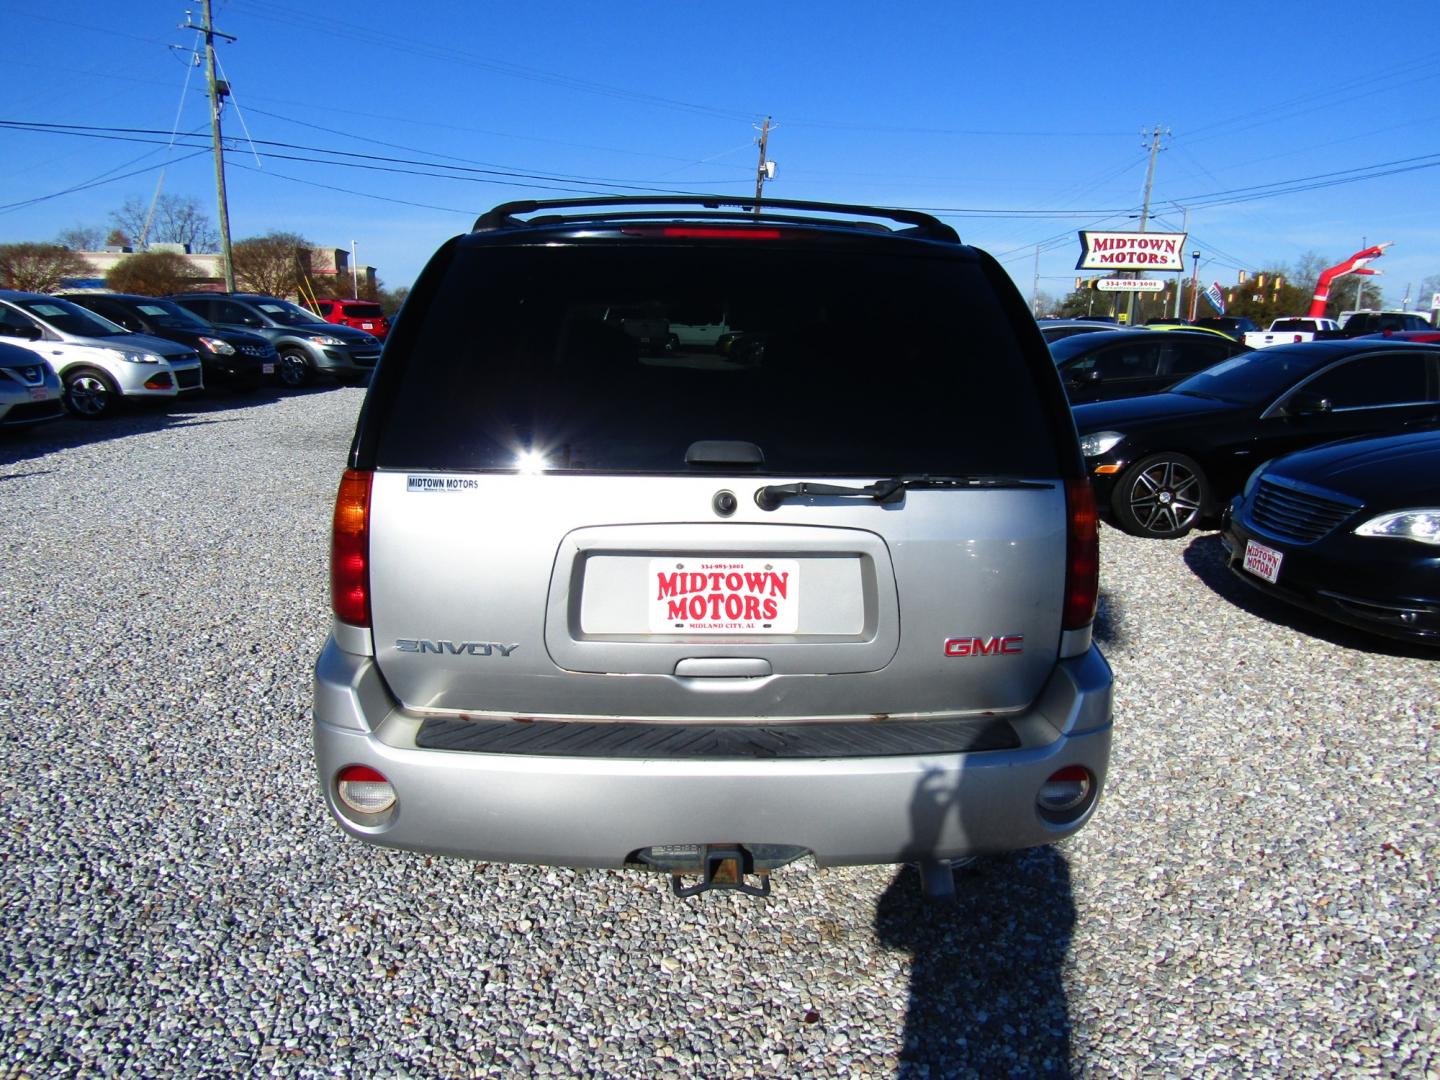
[
  {"x": 830, "y": 362},
  {"x": 362, "y": 311}
]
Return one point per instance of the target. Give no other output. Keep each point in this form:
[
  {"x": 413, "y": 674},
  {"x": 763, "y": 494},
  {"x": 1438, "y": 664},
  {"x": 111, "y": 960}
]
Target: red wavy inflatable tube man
[{"x": 1355, "y": 264}]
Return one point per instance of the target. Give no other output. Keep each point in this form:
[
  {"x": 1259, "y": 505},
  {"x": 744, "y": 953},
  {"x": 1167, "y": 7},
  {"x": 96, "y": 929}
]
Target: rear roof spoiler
[{"x": 709, "y": 207}]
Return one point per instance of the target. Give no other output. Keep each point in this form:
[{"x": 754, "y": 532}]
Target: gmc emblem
[{"x": 992, "y": 646}]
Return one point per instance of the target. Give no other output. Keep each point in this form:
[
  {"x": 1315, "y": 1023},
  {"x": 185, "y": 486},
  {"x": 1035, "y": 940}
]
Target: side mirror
[
  {"x": 1308, "y": 403},
  {"x": 25, "y": 333}
]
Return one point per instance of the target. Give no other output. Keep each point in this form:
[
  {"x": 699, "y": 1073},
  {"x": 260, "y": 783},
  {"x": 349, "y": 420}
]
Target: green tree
[
  {"x": 41, "y": 267},
  {"x": 1266, "y": 296},
  {"x": 391, "y": 299},
  {"x": 275, "y": 264},
  {"x": 152, "y": 273}
]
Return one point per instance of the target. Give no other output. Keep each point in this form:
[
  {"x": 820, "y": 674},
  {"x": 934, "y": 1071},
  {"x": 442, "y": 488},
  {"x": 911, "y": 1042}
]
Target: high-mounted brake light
[
  {"x": 706, "y": 232},
  {"x": 1082, "y": 556},
  {"x": 350, "y": 550}
]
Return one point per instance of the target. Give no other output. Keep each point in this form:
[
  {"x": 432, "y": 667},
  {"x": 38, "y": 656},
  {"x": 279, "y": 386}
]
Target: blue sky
[{"x": 1020, "y": 123}]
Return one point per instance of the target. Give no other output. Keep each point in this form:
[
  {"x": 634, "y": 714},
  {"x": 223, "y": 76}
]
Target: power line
[
  {"x": 97, "y": 182},
  {"x": 564, "y": 182},
  {"x": 396, "y": 43},
  {"x": 141, "y": 135}
]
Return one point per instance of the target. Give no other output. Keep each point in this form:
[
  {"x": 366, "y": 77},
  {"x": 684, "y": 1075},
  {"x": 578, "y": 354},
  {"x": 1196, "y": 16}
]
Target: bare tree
[
  {"x": 152, "y": 273},
  {"x": 177, "y": 219},
  {"x": 1307, "y": 271},
  {"x": 274, "y": 264},
  {"x": 39, "y": 267},
  {"x": 82, "y": 238}
]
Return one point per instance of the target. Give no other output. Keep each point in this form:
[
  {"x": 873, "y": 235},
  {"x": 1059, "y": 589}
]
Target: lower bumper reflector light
[
  {"x": 364, "y": 790},
  {"x": 1066, "y": 793}
]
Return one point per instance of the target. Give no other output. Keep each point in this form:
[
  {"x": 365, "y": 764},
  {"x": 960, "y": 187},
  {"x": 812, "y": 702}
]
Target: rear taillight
[
  {"x": 350, "y": 550},
  {"x": 1082, "y": 565}
]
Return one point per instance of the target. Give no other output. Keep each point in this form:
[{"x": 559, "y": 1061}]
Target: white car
[
  {"x": 97, "y": 361},
  {"x": 29, "y": 389}
]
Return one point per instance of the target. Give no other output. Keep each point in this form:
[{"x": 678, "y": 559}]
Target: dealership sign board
[
  {"x": 1131, "y": 251},
  {"x": 1125, "y": 284}
]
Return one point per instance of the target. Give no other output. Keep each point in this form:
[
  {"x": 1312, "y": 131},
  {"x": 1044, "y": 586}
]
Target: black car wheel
[
  {"x": 1161, "y": 497},
  {"x": 295, "y": 369},
  {"x": 90, "y": 394}
]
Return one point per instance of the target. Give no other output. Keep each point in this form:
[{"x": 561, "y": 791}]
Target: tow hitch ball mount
[{"x": 724, "y": 868}]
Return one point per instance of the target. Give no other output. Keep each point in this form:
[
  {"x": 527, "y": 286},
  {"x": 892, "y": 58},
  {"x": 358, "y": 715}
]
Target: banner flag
[{"x": 1215, "y": 297}]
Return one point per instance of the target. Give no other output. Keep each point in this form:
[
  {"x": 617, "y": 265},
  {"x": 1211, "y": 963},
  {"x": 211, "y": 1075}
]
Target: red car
[
  {"x": 1427, "y": 336},
  {"x": 361, "y": 314}
]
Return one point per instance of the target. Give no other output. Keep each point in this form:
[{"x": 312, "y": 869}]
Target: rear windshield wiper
[{"x": 890, "y": 490}]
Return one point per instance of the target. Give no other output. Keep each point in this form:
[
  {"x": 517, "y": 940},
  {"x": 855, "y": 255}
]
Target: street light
[{"x": 1195, "y": 285}]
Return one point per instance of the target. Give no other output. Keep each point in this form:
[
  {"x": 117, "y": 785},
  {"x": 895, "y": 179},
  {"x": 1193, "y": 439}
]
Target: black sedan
[
  {"x": 1126, "y": 363},
  {"x": 1350, "y": 530},
  {"x": 229, "y": 357},
  {"x": 1163, "y": 463}
]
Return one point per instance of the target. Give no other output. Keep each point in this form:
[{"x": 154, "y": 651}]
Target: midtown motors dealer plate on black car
[{"x": 1262, "y": 561}]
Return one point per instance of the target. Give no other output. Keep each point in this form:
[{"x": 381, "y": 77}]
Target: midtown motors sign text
[{"x": 1131, "y": 251}]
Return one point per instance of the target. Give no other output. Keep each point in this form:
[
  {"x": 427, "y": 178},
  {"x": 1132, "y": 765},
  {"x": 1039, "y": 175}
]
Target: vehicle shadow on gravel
[
  {"x": 986, "y": 991},
  {"x": 138, "y": 419},
  {"x": 1109, "y": 628},
  {"x": 1205, "y": 556},
  {"x": 987, "y": 995}
]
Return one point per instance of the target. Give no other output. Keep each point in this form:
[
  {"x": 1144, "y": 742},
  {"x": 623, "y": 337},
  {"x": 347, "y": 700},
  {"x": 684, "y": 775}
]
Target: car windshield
[
  {"x": 1253, "y": 377},
  {"x": 282, "y": 311},
  {"x": 171, "y": 316},
  {"x": 70, "y": 318}
]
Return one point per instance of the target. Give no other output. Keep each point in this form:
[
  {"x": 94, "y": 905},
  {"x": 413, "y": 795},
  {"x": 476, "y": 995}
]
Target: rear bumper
[{"x": 596, "y": 811}]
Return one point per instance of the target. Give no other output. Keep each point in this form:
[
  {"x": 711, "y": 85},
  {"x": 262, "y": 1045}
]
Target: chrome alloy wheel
[
  {"x": 1163, "y": 497},
  {"x": 89, "y": 395}
]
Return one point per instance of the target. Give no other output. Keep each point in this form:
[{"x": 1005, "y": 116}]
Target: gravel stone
[{"x": 1256, "y": 894}]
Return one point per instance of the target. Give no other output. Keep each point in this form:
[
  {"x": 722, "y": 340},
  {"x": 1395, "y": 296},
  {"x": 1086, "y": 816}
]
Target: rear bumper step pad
[{"x": 555, "y": 738}]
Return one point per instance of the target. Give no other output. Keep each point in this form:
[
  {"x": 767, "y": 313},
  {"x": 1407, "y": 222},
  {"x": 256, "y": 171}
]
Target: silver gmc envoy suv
[{"x": 824, "y": 591}]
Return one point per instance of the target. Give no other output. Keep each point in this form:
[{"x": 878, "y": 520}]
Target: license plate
[
  {"x": 367, "y": 326},
  {"x": 39, "y": 395},
  {"x": 723, "y": 596},
  {"x": 267, "y": 369},
  {"x": 1262, "y": 561}
]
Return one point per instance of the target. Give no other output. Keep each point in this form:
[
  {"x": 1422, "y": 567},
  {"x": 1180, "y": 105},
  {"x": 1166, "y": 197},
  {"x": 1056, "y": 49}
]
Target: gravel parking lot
[{"x": 1257, "y": 894}]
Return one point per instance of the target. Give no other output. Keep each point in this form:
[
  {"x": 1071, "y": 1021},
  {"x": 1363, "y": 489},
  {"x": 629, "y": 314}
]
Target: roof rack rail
[{"x": 714, "y": 207}]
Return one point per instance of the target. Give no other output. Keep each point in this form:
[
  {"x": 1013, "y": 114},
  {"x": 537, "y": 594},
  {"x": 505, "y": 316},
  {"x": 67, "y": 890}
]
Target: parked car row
[
  {"x": 103, "y": 348},
  {"x": 1320, "y": 459}
]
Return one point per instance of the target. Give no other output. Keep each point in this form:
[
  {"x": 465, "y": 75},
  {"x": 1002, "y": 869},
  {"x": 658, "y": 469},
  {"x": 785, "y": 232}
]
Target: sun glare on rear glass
[{"x": 530, "y": 462}]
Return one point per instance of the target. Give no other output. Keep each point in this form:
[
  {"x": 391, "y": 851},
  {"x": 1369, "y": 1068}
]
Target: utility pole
[
  {"x": 1145, "y": 213},
  {"x": 1180, "y": 276},
  {"x": 1035, "y": 289},
  {"x": 218, "y": 91},
  {"x": 765, "y": 170}
]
